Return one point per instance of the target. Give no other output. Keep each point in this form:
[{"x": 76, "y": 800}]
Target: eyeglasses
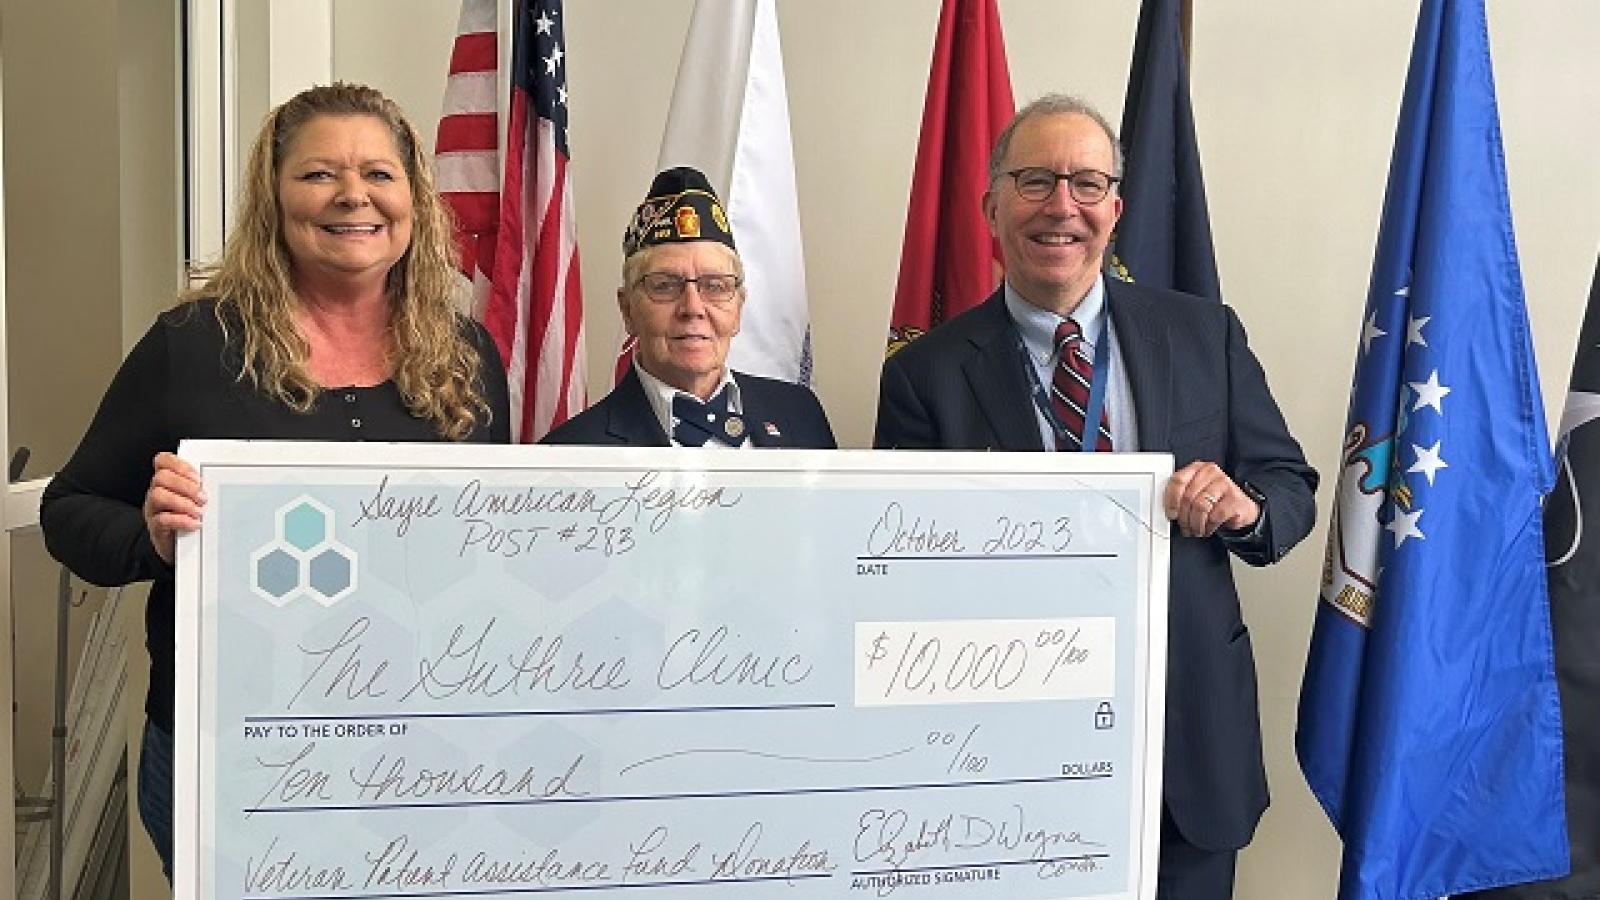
[
  {"x": 662, "y": 287},
  {"x": 1087, "y": 186}
]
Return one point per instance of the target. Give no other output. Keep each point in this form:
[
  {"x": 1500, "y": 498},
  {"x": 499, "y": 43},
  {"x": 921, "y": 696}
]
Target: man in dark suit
[
  {"x": 681, "y": 296},
  {"x": 1030, "y": 368}
]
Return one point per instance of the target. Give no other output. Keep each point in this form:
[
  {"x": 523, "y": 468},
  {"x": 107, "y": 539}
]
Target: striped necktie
[{"x": 1069, "y": 389}]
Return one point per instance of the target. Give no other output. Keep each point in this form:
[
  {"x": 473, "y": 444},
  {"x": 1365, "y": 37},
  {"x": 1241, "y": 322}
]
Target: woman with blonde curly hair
[{"x": 330, "y": 317}]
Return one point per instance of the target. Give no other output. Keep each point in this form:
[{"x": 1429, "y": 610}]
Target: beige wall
[
  {"x": 62, "y": 207},
  {"x": 1296, "y": 106},
  {"x": 92, "y": 252},
  {"x": 63, "y": 326}
]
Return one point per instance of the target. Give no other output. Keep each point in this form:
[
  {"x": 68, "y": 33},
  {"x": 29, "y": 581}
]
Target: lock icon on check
[{"x": 1104, "y": 718}]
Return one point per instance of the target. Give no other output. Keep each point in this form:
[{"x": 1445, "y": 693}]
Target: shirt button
[
  {"x": 349, "y": 398},
  {"x": 355, "y": 423}
]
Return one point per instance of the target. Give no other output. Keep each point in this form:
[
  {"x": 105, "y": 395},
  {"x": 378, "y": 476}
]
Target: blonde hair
[{"x": 435, "y": 364}]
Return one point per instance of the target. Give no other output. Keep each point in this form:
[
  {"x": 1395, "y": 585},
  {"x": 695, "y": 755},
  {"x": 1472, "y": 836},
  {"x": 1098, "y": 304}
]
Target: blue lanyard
[{"x": 1097, "y": 387}]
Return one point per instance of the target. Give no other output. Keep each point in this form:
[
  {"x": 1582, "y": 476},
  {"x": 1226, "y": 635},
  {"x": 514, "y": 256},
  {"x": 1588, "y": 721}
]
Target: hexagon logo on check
[{"x": 303, "y": 558}]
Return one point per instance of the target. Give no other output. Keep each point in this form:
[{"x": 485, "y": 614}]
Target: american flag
[
  {"x": 466, "y": 155},
  {"x": 535, "y": 309}
]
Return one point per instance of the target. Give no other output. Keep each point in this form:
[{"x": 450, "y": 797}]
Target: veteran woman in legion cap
[{"x": 681, "y": 295}]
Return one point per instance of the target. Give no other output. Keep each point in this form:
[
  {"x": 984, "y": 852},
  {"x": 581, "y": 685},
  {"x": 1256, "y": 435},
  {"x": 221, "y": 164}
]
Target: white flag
[{"x": 730, "y": 119}]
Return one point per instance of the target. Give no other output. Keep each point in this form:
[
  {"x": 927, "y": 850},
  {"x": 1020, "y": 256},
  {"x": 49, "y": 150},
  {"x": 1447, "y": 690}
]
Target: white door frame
[
  {"x": 298, "y": 52},
  {"x": 210, "y": 60}
]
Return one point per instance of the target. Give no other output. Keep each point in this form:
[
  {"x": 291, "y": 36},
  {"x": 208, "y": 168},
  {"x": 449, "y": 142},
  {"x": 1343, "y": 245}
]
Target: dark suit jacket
[
  {"x": 1199, "y": 394},
  {"x": 777, "y": 413}
]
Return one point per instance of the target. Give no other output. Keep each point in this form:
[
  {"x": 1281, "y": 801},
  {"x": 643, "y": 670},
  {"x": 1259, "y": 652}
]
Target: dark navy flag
[
  {"x": 1429, "y": 723},
  {"x": 1573, "y": 559},
  {"x": 1164, "y": 236}
]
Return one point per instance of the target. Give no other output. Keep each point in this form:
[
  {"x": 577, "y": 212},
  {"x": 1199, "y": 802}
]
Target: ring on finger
[{"x": 1210, "y": 499}]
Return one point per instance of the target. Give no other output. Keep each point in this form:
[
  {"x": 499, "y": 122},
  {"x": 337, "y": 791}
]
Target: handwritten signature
[{"x": 892, "y": 837}]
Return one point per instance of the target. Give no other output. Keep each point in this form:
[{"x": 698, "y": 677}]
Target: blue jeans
[{"x": 155, "y": 791}]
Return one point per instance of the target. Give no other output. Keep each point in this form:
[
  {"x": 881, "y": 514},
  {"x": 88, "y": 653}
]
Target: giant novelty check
[{"x": 410, "y": 670}]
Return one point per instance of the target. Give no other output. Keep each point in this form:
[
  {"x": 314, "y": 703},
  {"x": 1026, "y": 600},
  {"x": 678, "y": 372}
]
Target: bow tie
[{"x": 699, "y": 422}]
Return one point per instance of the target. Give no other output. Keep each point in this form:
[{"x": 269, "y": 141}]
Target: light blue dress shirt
[{"x": 1038, "y": 329}]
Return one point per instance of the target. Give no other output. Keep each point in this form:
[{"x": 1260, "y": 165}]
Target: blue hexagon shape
[
  {"x": 275, "y": 574},
  {"x": 332, "y": 574},
  {"x": 305, "y": 523}
]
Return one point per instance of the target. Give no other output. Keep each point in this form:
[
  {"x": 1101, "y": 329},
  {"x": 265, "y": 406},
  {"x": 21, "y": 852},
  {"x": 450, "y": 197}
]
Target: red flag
[
  {"x": 619, "y": 369},
  {"x": 466, "y": 155},
  {"x": 535, "y": 310},
  {"x": 949, "y": 262}
]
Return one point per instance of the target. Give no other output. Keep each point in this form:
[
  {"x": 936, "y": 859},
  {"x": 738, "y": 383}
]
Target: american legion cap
[{"x": 681, "y": 206}]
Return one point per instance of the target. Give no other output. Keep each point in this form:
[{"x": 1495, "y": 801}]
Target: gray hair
[{"x": 1052, "y": 105}]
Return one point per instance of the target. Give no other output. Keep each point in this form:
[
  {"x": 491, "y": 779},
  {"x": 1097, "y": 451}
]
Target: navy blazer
[
  {"x": 1199, "y": 394},
  {"x": 777, "y": 414}
]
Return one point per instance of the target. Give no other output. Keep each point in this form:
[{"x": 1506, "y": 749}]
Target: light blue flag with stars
[{"x": 1429, "y": 722}]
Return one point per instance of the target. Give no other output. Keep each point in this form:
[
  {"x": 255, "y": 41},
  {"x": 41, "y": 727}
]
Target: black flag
[
  {"x": 1164, "y": 236},
  {"x": 1573, "y": 561}
]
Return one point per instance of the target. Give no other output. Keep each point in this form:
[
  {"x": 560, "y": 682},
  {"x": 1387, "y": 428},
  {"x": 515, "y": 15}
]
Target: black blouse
[{"x": 182, "y": 381}]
